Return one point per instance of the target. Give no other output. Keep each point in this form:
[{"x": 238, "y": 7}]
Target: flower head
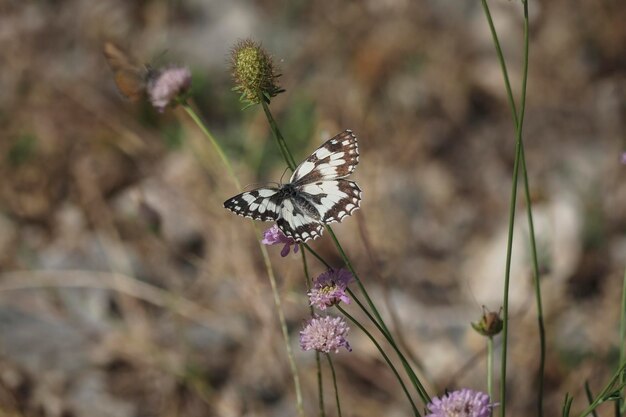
[
  {"x": 254, "y": 73},
  {"x": 275, "y": 236},
  {"x": 330, "y": 288},
  {"x": 169, "y": 84},
  {"x": 325, "y": 334},
  {"x": 623, "y": 158},
  {"x": 461, "y": 403},
  {"x": 490, "y": 324}
]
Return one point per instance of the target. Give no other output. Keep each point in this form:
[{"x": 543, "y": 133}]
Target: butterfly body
[{"x": 316, "y": 194}]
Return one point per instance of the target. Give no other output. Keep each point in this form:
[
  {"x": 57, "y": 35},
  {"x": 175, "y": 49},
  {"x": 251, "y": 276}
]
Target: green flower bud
[
  {"x": 490, "y": 324},
  {"x": 254, "y": 73}
]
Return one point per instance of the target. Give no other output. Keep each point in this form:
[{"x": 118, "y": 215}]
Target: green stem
[
  {"x": 216, "y": 146},
  {"x": 332, "y": 370},
  {"x": 590, "y": 397},
  {"x": 266, "y": 259},
  {"x": 318, "y": 364},
  {"x": 282, "y": 145},
  {"x": 369, "y": 301},
  {"x": 490, "y": 370},
  {"x": 519, "y": 154},
  {"x": 622, "y": 338},
  {"x": 405, "y": 363},
  {"x": 385, "y": 357}
]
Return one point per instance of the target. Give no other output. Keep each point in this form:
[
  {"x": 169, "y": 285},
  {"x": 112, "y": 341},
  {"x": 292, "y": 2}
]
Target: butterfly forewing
[
  {"x": 336, "y": 158},
  {"x": 260, "y": 204}
]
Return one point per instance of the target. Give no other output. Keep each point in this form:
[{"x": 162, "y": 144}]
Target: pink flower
[
  {"x": 275, "y": 236},
  {"x": 325, "y": 334},
  {"x": 330, "y": 288},
  {"x": 461, "y": 403},
  {"x": 169, "y": 84}
]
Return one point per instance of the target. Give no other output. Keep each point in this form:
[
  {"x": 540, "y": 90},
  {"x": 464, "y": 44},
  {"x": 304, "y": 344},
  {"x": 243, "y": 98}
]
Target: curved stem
[
  {"x": 519, "y": 154},
  {"x": 332, "y": 370},
  {"x": 405, "y": 363},
  {"x": 266, "y": 259},
  {"x": 385, "y": 357}
]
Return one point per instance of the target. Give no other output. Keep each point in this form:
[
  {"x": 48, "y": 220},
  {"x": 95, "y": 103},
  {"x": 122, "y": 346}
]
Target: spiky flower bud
[
  {"x": 490, "y": 323},
  {"x": 254, "y": 73}
]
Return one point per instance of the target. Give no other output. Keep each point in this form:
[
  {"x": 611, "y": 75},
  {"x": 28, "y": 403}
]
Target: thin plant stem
[
  {"x": 332, "y": 370},
  {"x": 405, "y": 363},
  {"x": 282, "y": 145},
  {"x": 318, "y": 362},
  {"x": 590, "y": 397},
  {"x": 518, "y": 127},
  {"x": 567, "y": 405},
  {"x": 601, "y": 397},
  {"x": 519, "y": 155},
  {"x": 622, "y": 338},
  {"x": 369, "y": 301},
  {"x": 412, "y": 376},
  {"x": 266, "y": 259},
  {"x": 385, "y": 357},
  {"x": 490, "y": 370}
]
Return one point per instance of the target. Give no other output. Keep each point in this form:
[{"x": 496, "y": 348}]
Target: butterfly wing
[
  {"x": 297, "y": 224},
  {"x": 333, "y": 199},
  {"x": 260, "y": 204},
  {"x": 336, "y": 158},
  {"x": 130, "y": 79}
]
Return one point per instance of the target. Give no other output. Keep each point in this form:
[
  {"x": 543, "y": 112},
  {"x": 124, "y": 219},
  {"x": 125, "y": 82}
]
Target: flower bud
[
  {"x": 490, "y": 324},
  {"x": 254, "y": 73}
]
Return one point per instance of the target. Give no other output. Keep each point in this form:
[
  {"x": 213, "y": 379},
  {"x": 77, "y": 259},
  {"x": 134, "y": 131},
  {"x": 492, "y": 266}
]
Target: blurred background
[{"x": 127, "y": 290}]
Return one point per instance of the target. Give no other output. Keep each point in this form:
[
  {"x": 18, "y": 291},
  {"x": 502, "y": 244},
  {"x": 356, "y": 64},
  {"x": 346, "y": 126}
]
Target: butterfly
[
  {"x": 317, "y": 192},
  {"x": 131, "y": 80}
]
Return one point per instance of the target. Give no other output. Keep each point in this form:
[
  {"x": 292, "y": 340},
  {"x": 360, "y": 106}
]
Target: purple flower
[
  {"x": 623, "y": 158},
  {"x": 330, "y": 288},
  {"x": 275, "y": 236},
  {"x": 325, "y": 334},
  {"x": 462, "y": 403},
  {"x": 169, "y": 84}
]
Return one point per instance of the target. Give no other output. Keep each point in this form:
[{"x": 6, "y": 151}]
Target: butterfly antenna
[
  {"x": 260, "y": 184},
  {"x": 284, "y": 172}
]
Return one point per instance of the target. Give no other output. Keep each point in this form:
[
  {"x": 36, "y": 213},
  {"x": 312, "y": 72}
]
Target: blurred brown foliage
[{"x": 127, "y": 290}]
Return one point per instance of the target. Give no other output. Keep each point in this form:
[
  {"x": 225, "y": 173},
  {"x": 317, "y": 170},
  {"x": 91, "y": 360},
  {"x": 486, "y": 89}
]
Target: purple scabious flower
[
  {"x": 169, "y": 84},
  {"x": 330, "y": 288},
  {"x": 461, "y": 403},
  {"x": 325, "y": 334},
  {"x": 275, "y": 236}
]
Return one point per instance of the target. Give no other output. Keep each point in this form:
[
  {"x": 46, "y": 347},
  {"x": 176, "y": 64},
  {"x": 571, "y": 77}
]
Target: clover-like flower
[
  {"x": 275, "y": 236},
  {"x": 325, "y": 334},
  {"x": 171, "y": 83},
  {"x": 254, "y": 73},
  {"x": 461, "y": 403},
  {"x": 330, "y": 288}
]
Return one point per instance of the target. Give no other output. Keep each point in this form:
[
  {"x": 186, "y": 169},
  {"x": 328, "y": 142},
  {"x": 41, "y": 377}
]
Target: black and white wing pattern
[
  {"x": 260, "y": 204},
  {"x": 336, "y": 158},
  {"x": 317, "y": 193}
]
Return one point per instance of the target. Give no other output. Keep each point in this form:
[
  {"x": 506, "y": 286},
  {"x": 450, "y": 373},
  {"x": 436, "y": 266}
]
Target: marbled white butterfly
[{"x": 317, "y": 192}]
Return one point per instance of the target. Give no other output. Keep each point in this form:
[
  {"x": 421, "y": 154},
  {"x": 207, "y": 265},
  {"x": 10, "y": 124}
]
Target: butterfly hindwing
[
  {"x": 260, "y": 204},
  {"x": 336, "y": 158},
  {"x": 297, "y": 224},
  {"x": 333, "y": 199}
]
